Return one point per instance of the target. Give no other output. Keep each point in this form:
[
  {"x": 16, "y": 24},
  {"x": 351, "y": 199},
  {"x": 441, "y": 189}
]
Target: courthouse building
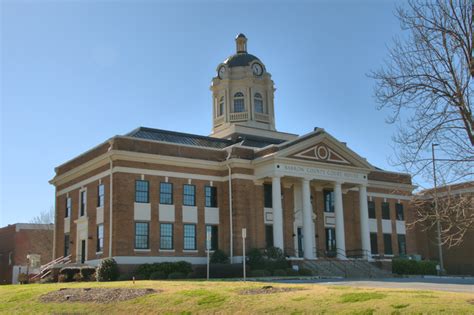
[{"x": 152, "y": 195}]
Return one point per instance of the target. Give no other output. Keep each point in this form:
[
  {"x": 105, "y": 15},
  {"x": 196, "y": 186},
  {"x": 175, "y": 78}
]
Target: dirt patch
[
  {"x": 268, "y": 289},
  {"x": 95, "y": 295},
  {"x": 470, "y": 301}
]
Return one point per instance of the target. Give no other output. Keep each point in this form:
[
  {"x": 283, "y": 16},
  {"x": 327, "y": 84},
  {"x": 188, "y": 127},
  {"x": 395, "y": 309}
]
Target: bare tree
[
  {"x": 42, "y": 243},
  {"x": 455, "y": 211},
  {"x": 426, "y": 83}
]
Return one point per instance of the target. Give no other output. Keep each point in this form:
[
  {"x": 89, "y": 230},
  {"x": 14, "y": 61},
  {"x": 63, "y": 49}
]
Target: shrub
[
  {"x": 413, "y": 267},
  {"x": 291, "y": 272},
  {"x": 260, "y": 273},
  {"x": 218, "y": 271},
  {"x": 219, "y": 257},
  {"x": 144, "y": 271},
  {"x": 158, "y": 275},
  {"x": 107, "y": 270},
  {"x": 305, "y": 272},
  {"x": 23, "y": 278},
  {"x": 62, "y": 278},
  {"x": 124, "y": 278},
  {"x": 271, "y": 258},
  {"x": 176, "y": 275},
  {"x": 279, "y": 272},
  {"x": 70, "y": 273},
  {"x": 78, "y": 277},
  {"x": 87, "y": 273}
]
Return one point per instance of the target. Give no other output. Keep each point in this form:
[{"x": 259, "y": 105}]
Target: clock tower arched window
[
  {"x": 239, "y": 105},
  {"x": 221, "y": 106},
  {"x": 258, "y": 103}
]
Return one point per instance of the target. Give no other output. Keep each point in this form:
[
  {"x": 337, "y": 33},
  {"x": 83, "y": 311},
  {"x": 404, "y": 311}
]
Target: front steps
[{"x": 352, "y": 268}]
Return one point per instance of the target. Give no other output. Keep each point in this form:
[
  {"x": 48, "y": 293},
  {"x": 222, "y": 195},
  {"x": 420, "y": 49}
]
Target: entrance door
[
  {"x": 331, "y": 250},
  {"x": 83, "y": 251},
  {"x": 300, "y": 242}
]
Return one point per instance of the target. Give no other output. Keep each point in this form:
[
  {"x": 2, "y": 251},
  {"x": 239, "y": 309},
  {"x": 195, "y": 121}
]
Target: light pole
[{"x": 438, "y": 226}]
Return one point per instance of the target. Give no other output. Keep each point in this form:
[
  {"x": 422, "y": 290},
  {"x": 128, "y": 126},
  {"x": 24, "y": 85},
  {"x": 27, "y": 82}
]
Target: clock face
[
  {"x": 257, "y": 69},
  {"x": 221, "y": 72}
]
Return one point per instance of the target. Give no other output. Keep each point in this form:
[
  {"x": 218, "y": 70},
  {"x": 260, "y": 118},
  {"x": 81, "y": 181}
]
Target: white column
[
  {"x": 308, "y": 229},
  {"x": 364, "y": 222},
  {"x": 339, "y": 212},
  {"x": 277, "y": 213}
]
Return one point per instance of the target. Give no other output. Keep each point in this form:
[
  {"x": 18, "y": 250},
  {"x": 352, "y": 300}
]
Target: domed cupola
[{"x": 242, "y": 92}]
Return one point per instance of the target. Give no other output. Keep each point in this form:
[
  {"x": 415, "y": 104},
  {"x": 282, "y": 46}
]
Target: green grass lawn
[{"x": 191, "y": 297}]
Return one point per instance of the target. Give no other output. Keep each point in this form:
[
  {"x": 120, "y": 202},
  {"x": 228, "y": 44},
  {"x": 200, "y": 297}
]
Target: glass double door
[{"x": 331, "y": 249}]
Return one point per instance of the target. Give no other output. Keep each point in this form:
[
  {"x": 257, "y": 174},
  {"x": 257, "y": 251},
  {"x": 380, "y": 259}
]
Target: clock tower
[{"x": 242, "y": 94}]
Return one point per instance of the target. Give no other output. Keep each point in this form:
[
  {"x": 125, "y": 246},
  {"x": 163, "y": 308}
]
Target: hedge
[
  {"x": 413, "y": 267},
  {"x": 144, "y": 271},
  {"x": 107, "y": 270},
  {"x": 218, "y": 271}
]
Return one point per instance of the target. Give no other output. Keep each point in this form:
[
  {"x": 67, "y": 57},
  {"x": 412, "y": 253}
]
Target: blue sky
[{"x": 75, "y": 73}]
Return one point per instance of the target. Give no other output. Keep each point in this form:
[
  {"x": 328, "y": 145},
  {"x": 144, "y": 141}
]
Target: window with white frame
[
  {"x": 67, "y": 213},
  {"x": 239, "y": 103},
  {"x": 100, "y": 238},
  {"x": 166, "y": 236},
  {"x": 83, "y": 198},
  {"x": 189, "y": 195},
  {"x": 142, "y": 231},
  {"x": 166, "y": 193},
  {"x": 100, "y": 195},
  {"x": 189, "y": 236}
]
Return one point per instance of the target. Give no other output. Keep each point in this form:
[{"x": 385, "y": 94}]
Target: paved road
[{"x": 439, "y": 284}]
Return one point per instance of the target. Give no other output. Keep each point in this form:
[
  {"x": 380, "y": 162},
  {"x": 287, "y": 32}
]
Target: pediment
[
  {"x": 322, "y": 153},
  {"x": 321, "y": 147}
]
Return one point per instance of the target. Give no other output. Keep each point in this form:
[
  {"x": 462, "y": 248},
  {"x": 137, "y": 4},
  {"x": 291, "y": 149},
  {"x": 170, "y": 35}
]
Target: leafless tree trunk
[{"x": 426, "y": 82}]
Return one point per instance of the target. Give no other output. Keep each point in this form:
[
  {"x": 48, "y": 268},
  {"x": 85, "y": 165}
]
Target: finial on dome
[{"x": 241, "y": 43}]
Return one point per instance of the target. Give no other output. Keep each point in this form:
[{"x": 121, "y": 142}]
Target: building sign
[{"x": 315, "y": 172}]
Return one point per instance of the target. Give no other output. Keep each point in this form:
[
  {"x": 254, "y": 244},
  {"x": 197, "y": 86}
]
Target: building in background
[
  {"x": 153, "y": 195},
  {"x": 24, "y": 247},
  {"x": 457, "y": 259}
]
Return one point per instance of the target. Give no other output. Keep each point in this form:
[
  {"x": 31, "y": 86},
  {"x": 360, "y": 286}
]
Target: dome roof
[{"x": 240, "y": 60}]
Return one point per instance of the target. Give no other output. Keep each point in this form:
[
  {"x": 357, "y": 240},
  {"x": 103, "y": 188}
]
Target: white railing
[
  {"x": 239, "y": 116},
  {"x": 219, "y": 120},
  {"x": 262, "y": 117}
]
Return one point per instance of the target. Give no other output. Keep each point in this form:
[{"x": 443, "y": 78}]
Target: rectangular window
[
  {"x": 399, "y": 210},
  {"x": 100, "y": 195},
  {"x": 66, "y": 245},
  {"x": 402, "y": 245},
  {"x": 141, "y": 191},
  {"x": 213, "y": 244},
  {"x": 142, "y": 230},
  {"x": 269, "y": 235},
  {"x": 166, "y": 193},
  {"x": 189, "y": 236},
  {"x": 374, "y": 249},
  {"x": 267, "y": 195},
  {"x": 100, "y": 238},
  {"x": 166, "y": 236},
  {"x": 371, "y": 206},
  {"x": 83, "y": 202},
  {"x": 211, "y": 196},
  {"x": 328, "y": 200},
  {"x": 68, "y": 207},
  {"x": 387, "y": 243},
  {"x": 385, "y": 211},
  {"x": 189, "y": 195}
]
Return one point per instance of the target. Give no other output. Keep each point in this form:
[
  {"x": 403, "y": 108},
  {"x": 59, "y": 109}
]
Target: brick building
[
  {"x": 457, "y": 259},
  {"x": 24, "y": 248},
  {"x": 152, "y": 195}
]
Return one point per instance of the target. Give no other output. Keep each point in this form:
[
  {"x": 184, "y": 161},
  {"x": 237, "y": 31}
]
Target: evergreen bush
[{"x": 107, "y": 270}]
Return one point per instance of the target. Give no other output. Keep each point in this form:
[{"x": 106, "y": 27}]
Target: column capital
[{"x": 305, "y": 179}]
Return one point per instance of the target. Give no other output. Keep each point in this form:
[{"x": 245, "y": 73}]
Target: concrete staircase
[{"x": 352, "y": 268}]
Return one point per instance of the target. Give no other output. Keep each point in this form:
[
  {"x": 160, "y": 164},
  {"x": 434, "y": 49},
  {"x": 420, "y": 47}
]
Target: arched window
[
  {"x": 221, "y": 106},
  {"x": 258, "y": 103},
  {"x": 239, "y": 105}
]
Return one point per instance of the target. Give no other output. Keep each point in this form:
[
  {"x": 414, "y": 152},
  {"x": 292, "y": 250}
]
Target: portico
[{"x": 304, "y": 179}]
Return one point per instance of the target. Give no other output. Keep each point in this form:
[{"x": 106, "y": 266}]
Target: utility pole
[{"x": 438, "y": 225}]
